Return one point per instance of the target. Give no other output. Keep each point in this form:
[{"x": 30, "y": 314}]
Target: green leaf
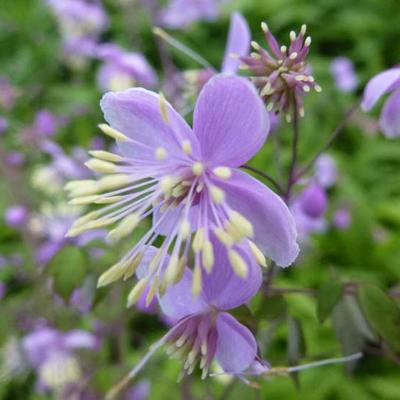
[
  {"x": 382, "y": 314},
  {"x": 68, "y": 270},
  {"x": 329, "y": 294},
  {"x": 272, "y": 308}
]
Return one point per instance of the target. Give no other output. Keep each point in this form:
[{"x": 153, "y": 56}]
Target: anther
[
  {"x": 187, "y": 147},
  {"x": 197, "y": 168},
  {"x": 106, "y": 155},
  {"x": 100, "y": 166},
  {"x": 217, "y": 194},
  {"x": 222, "y": 172},
  {"x": 307, "y": 42},
  {"x": 238, "y": 264},
  {"x": 117, "y": 135},
  {"x": 164, "y": 109},
  {"x": 136, "y": 292},
  {"x": 161, "y": 154},
  {"x": 264, "y": 27}
]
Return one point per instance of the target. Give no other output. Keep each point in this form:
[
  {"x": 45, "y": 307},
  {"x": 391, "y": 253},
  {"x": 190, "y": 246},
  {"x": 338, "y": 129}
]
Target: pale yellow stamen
[
  {"x": 155, "y": 261},
  {"x": 185, "y": 229},
  {"x": 114, "y": 181},
  {"x": 172, "y": 268},
  {"x": 187, "y": 147},
  {"x": 224, "y": 237},
  {"x": 255, "y": 45},
  {"x": 197, "y": 168},
  {"x": 293, "y": 56},
  {"x": 258, "y": 254},
  {"x": 77, "y": 230},
  {"x": 242, "y": 224},
  {"x": 100, "y": 166},
  {"x": 164, "y": 109},
  {"x": 292, "y": 36},
  {"x": 161, "y": 154},
  {"x": 307, "y": 42},
  {"x": 152, "y": 291},
  {"x": 111, "y": 275},
  {"x": 208, "y": 256},
  {"x": 283, "y": 49},
  {"x": 136, "y": 292},
  {"x": 108, "y": 200},
  {"x": 198, "y": 240},
  {"x": 217, "y": 194},
  {"x": 196, "y": 281},
  {"x": 83, "y": 200},
  {"x": 238, "y": 264},
  {"x": 117, "y": 135},
  {"x": 303, "y": 29},
  {"x": 131, "y": 265},
  {"x": 264, "y": 27},
  {"x": 125, "y": 227},
  {"x": 222, "y": 172},
  {"x": 106, "y": 155},
  {"x": 167, "y": 183}
]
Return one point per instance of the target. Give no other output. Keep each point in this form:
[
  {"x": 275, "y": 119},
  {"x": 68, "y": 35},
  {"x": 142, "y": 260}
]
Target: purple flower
[
  {"x": 342, "y": 218},
  {"x": 385, "y": 82},
  {"x": 3, "y": 290},
  {"x": 325, "y": 171},
  {"x": 188, "y": 179},
  {"x": 8, "y": 94},
  {"x": 122, "y": 70},
  {"x": 140, "y": 391},
  {"x": 308, "y": 210},
  {"x": 342, "y": 70},
  {"x": 204, "y": 330},
  {"x": 15, "y": 159},
  {"x": 281, "y": 73},
  {"x": 181, "y": 13},
  {"x": 51, "y": 354},
  {"x": 16, "y": 216},
  {"x": 237, "y": 45},
  {"x": 3, "y": 125},
  {"x": 82, "y": 300}
]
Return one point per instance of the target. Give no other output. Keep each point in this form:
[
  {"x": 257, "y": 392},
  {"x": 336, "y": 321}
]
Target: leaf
[
  {"x": 272, "y": 308},
  {"x": 382, "y": 314},
  {"x": 68, "y": 270},
  {"x": 329, "y": 294},
  {"x": 296, "y": 346},
  {"x": 350, "y": 326}
]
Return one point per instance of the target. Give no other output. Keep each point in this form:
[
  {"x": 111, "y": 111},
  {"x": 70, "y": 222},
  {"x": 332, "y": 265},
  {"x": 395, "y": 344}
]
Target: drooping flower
[
  {"x": 16, "y": 215},
  {"x": 385, "y": 82},
  {"x": 281, "y": 73},
  {"x": 342, "y": 70},
  {"x": 140, "y": 391},
  {"x": 204, "y": 330},
  {"x": 325, "y": 171},
  {"x": 181, "y": 13},
  {"x": 122, "y": 70},
  {"x": 188, "y": 179},
  {"x": 51, "y": 353}
]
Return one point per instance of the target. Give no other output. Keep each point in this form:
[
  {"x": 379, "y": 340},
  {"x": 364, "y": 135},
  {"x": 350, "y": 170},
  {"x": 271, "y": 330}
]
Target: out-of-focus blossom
[
  {"x": 325, "y": 171},
  {"x": 122, "y": 70},
  {"x": 204, "y": 330},
  {"x": 140, "y": 391},
  {"x": 82, "y": 300},
  {"x": 342, "y": 70},
  {"x": 308, "y": 209},
  {"x": 15, "y": 159},
  {"x": 16, "y": 215},
  {"x": 3, "y": 125},
  {"x": 3, "y": 290},
  {"x": 342, "y": 218},
  {"x": 181, "y": 13},
  {"x": 237, "y": 45},
  {"x": 282, "y": 74},
  {"x": 189, "y": 179},
  {"x": 385, "y": 82},
  {"x": 52, "y": 354},
  {"x": 8, "y": 94}
]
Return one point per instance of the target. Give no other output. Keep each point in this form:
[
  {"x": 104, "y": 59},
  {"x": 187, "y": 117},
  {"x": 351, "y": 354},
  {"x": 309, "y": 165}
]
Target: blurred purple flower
[
  {"x": 325, "y": 171},
  {"x": 342, "y": 70},
  {"x": 16, "y": 215},
  {"x": 3, "y": 290},
  {"x": 45, "y": 123},
  {"x": 195, "y": 186},
  {"x": 3, "y": 125},
  {"x": 205, "y": 330},
  {"x": 282, "y": 74},
  {"x": 122, "y": 70},
  {"x": 308, "y": 210},
  {"x": 385, "y": 82},
  {"x": 181, "y": 13},
  {"x": 82, "y": 300},
  {"x": 8, "y": 94},
  {"x": 51, "y": 353},
  {"x": 342, "y": 218},
  {"x": 140, "y": 391},
  {"x": 15, "y": 159}
]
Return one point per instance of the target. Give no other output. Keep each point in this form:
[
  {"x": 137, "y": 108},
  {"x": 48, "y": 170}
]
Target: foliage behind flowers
[{"x": 207, "y": 297}]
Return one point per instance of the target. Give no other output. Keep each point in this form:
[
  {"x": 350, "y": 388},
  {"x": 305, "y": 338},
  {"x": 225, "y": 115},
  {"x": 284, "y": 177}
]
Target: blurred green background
[{"x": 288, "y": 329}]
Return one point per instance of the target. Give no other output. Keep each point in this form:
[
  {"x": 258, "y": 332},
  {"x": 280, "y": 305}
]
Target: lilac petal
[
  {"x": 80, "y": 339},
  {"x": 230, "y": 121},
  {"x": 222, "y": 288},
  {"x": 137, "y": 114},
  {"x": 274, "y": 226},
  {"x": 238, "y": 43},
  {"x": 390, "y": 116},
  {"x": 179, "y": 302},
  {"x": 378, "y": 86},
  {"x": 236, "y": 346}
]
